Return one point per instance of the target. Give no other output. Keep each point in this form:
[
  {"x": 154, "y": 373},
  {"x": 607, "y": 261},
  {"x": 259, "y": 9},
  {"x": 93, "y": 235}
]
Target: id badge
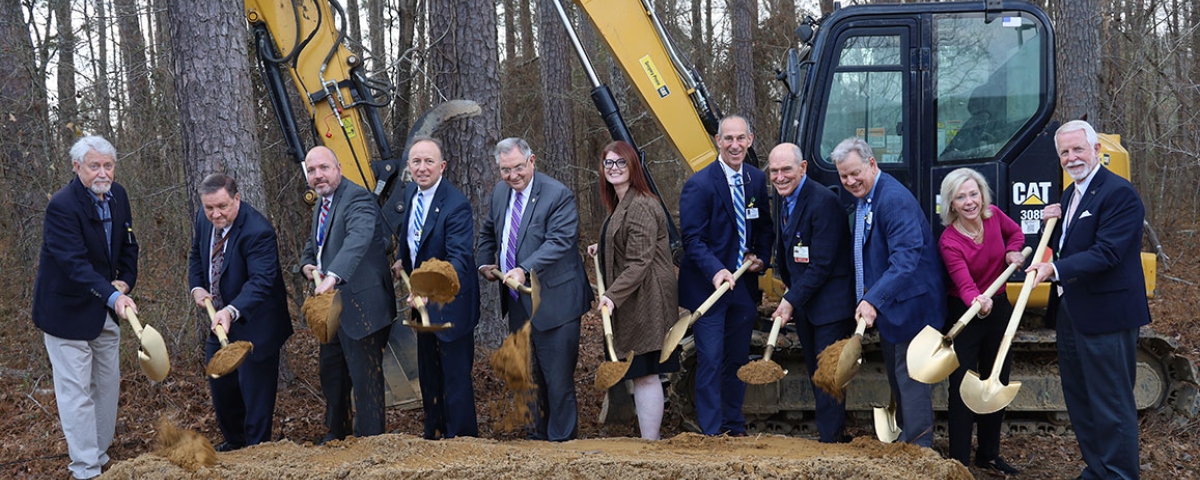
[
  {"x": 752, "y": 213},
  {"x": 800, "y": 254}
]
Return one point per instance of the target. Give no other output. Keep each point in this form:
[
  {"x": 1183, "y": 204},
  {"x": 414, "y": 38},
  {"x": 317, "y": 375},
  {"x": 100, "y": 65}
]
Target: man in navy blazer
[
  {"x": 439, "y": 225},
  {"x": 87, "y": 267},
  {"x": 898, "y": 276},
  {"x": 1101, "y": 303},
  {"x": 813, "y": 258},
  {"x": 546, "y": 240},
  {"x": 234, "y": 262},
  {"x": 712, "y": 247}
]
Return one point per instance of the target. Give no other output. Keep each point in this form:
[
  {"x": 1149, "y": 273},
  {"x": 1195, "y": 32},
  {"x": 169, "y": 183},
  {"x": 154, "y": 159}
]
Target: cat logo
[{"x": 1032, "y": 193}]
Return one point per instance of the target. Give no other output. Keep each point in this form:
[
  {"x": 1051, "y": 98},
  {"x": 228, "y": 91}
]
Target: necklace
[{"x": 974, "y": 235}]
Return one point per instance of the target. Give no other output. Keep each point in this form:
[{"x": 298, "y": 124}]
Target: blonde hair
[{"x": 950, "y": 186}]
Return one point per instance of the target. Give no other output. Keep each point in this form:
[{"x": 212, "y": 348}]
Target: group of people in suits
[{"x": 878, "y": 265}]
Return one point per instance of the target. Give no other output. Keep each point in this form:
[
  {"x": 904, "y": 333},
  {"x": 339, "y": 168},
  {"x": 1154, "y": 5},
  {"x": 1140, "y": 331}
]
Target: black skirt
[{"x": 647, "y": 364}]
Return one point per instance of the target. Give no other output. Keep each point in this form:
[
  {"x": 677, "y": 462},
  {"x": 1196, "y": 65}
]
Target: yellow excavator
[{"x": 931, "y": 87}]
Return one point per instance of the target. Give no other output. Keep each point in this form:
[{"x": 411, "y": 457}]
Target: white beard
[
  {"x": 101, "y": 188},
  {"x": 1087, "y": 170}
]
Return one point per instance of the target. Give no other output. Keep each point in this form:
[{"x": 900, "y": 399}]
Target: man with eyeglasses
[
  {"x": 533, "y": 225},
  {"x": 88, "y": 266},
  {"x": 726, "y": 222}
]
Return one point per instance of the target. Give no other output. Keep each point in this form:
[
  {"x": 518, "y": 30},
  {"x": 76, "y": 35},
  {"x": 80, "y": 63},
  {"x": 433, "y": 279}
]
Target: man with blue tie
[
  {"x": 725, "y": 222},
  {"x": 439, "y": 225},
  {"x": 1101, "y": 294},
  {"x": 234, "y": 262},
  {"x": 813, "y": 258},
  {"x": 897, "y": 276}
]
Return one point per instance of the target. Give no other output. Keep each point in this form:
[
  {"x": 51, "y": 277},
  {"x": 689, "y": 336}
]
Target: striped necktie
[
  {"x": 321, "y": 223},
  {"x": 218, "y": 261},
  {"x": 739, "y": 210},
  {"x": 514, "y": 227},
  {"x": 860, "y": 226},
  {"x": 418, "y": 219}
]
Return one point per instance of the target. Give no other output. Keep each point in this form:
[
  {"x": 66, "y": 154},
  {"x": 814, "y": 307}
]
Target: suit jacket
[
  {"x": 639, "y": 274},
  {"x": 77, "y": 266},
  {"x": 1099, "y": 265},
  {"x": 547, "y": 243},
  {"x": 251, "y": 279},
  {"x": 902, "y": 270},
  {"x": 821, "y": 288},
  {"x": 449, "y": 235},
  {"x": 710, "y": 239},
  {"x": 357, "y": 240}
]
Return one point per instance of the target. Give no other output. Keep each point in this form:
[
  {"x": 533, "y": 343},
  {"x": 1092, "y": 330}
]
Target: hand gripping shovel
[
  {"x": 612, "y": 371},
  {"x": 675, "y": 335},
  {"x": 153, "y": 354},
  {"x": 931, "y": 356},
  {"x": 229, "y": 357},
  {"x": 987, "y": 396},
  {"x": 764, "y": 371},
  {"x": 424, "y": 326},
  {"x": 534, "y": 290},
  {"x": 323, "y": 312}
]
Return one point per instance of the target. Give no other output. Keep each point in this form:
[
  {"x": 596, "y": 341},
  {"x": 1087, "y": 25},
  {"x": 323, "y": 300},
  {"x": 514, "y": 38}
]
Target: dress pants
[
  {"x": 914, "y": 400},
  {"x": 244, "y": 399},
  {"x": 722, "y": 339},
  {"x": 831, "y": 414},
  {"x": 87, "y": 381},
  {"x": 354, "y": 365},
  {"x": 1098, "y": 374},
  {"x": 447, "y": 393},
  {"x": 976, "y": 348}
]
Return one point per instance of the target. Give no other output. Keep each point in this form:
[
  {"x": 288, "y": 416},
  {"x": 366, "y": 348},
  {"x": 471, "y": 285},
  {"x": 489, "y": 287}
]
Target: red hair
[{"x": 633, "y": 164}]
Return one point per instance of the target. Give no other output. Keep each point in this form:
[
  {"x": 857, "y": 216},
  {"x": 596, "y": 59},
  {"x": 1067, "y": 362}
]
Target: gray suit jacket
[
  {"x": 548, "y": 244},
  {"x": 356, "y": 245}
]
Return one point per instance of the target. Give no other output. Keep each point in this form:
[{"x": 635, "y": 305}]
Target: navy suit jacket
[
  {"x": 1099, "y": 265},
  {"x": 902, "y": 270},
  {"x": 821, "y": 289},
  {"x": 448, "y": 235},
  {"x": 76, "y": 267},
  {"x": 547, "y": 243},
  {"x": 251, "y": 279},
  {"x": 710, "y": 239}
]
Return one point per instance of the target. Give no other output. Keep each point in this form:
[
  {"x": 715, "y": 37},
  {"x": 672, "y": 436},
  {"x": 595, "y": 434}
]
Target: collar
[
  {"x": 875, "y": 186},
  {"x": 524, "y": 191},
  {"x": 431, "y": 191},
  {"x": 791, "y": 199},
  {"x": 1082, "y": 187},
  {"x": 729, "y": 172}
]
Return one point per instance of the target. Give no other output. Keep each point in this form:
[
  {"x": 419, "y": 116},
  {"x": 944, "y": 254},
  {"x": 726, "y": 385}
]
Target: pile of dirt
[
  {"x": 436, "y": 280},
  {"x": 228, "y": 358},
  {"x": 182, "y": 447},
  {"x": 316, "y": 313},
  {"x": 827, "y": 362},
  {"x": 684, "y": 456}
]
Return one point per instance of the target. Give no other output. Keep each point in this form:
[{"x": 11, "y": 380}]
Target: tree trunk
[
  {"x": 743, "y": 25},
  {"x": 403, "y": 101},
  {"x": 699, "y": 48},
  {"x": 526, "y": 20},
  {"x": 137, "y": 75},
  {"x": 1078, "y": 50},
  {"x": 353, "y": 20},
  {"x": 377, "y": 24},
  {"x": 103, "y": 98},
  {"x": 557, "y": 127},
  {"x": 465, "y": 64},
  {"x": 510, "y": 31},
  {"x": 68, "y": 107}
]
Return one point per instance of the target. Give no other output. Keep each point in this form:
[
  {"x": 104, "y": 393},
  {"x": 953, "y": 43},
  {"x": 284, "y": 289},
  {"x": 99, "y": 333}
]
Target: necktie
[
  {"x": 1075, "y": 199},
  {"x": 514, "y": 224},
  {"x": 218, "y": 259},
  {"x": 418, "y": 219},
  {"x": 321, "y": 223},
  {"x": 860, "y": 226},
  {"x": 739, "y": 210}
]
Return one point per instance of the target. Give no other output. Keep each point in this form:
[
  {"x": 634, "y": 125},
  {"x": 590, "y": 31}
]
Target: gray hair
[
  {"x": 509, "y": 144},
  {"x": 852, "y": 144},
  {"x": 216, "y": 182},
  {"x": 92, "y": 142},
  {"x": 721, "y": 124},
  {"x": 950, "y": 186},
  {"x": 1074, "y": 126}
]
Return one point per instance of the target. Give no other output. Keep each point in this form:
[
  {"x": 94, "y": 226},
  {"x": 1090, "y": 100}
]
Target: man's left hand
[{"x": 223, "y": 319}]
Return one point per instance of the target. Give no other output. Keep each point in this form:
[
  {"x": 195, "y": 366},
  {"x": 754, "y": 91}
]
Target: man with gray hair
[
  {"x": 897, "y": 276},
  {"x": 87, "y": 267},
  {"x": 533, "y": 226}
]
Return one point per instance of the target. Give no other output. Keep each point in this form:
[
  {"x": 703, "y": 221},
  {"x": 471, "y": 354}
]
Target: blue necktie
[
  {"x": 418, "y": 220},
  {"x": 860, "y": 214},
  {"x": 739, "y": 209}
]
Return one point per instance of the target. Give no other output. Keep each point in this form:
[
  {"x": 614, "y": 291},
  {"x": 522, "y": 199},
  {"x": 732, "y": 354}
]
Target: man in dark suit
[
  {"x": 533, "y": 225},
  {"x": 813, "y": 258},
  {"x": 87, "y": 267},
  {"x": 725, "y": 222},
  {"x": 898, "y": 276},
  {"x": 439, "y": 225},
  {"x": 1101, "y": 303},
  {"x": 234, "y": 262},
  {"x": 349, "y": 245}
]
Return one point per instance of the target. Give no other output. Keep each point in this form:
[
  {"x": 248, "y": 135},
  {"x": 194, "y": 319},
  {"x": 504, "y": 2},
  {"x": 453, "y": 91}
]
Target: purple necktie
[
  {"x": 218, "y": 260},
  {"x": 514, "y": 224}
]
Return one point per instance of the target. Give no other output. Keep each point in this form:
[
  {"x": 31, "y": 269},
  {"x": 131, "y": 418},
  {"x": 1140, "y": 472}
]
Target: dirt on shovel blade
[
  {"x": 316, "y": 313},
  {"x": 185, "y": 448},
  {"x": 512, "y": 363},
  {"x": 437, "y": 280},
  {"x": 760, "y": 372},
  {"x": 827, "y": 365},
  {"x": 228, "y": 358}
]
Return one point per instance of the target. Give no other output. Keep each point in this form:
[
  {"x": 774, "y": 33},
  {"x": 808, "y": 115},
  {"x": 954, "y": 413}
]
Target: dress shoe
[
  {"x": 999, "y": 465},
  {"x": 227, "y": 447}
]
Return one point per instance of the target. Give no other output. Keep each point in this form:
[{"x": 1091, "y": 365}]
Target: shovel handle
[
  {"x": 605, "y": 316},
  {"x": 511, "y": 282},
  {"x": 133, "y": 321},
  {"x": 712, "y": 299},
  {"x": 1015, "y": 320},
  {"x": 416, "y": 299},
  {"x": 861, "y": 329},
  {"x": 991, "y": 291},
  {"x": 317, "y": 277},
  {"x": 775, "y": 324},
  {"x": 212, "y": 315}
]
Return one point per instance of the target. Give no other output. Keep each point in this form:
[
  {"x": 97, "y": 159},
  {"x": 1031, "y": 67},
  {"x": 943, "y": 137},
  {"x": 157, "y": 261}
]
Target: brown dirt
[
  {"x": 316, "y": 313},
  {"x": 182, "y": 447},
  {"x": 436, "y": 280},
  {"x": 827, "y": 363},
  {"x": 609, "y": 373},
  {"x": 228, "y": 358},
  {"x": 760, "y": 372},
  {"x": 512, "y": 362}
]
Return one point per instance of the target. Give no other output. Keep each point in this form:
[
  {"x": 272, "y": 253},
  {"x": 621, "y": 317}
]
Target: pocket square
[{"x": 1085, "y": 214}]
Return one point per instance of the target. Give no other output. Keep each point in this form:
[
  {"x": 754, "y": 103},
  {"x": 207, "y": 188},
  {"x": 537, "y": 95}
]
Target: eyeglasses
[
  {"x": 519, "y": 169},
  {"x": 619, "y": 164}
]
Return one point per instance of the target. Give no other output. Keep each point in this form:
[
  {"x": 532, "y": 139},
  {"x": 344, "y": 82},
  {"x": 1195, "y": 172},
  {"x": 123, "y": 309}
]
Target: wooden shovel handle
[
  {"x": 605, "y": 318},
  {"x": 511, "y": 282},
  {"x": 212, "y": 315},
  {"x": 416, "y": 299},
  {"x": 1015, "y": 320},
  {"x": 712, "y": 299},
  {"x": 133, "y": 321},
  {"x": 991, "y": 291},
  {"x": 775, "y": 324}
]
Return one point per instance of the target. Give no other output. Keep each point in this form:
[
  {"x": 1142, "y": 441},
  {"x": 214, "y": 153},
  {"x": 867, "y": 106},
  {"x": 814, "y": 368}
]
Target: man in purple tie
[{"x": 532, "y": 225}]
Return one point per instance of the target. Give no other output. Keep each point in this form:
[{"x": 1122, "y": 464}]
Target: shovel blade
[
  {"x": 535, "y": 293},
  {"x": 849, "y": 362},
  {"x": 886, "y": 428},
  {"x": 931, "y": 356},
  {"x": 153, "y": 355},
  {"x": 431, "y": 328},
  {"x": 986, "y": 396},
  {"x": 334, "y": 319},
  {"x": 674, "y": 336}
]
